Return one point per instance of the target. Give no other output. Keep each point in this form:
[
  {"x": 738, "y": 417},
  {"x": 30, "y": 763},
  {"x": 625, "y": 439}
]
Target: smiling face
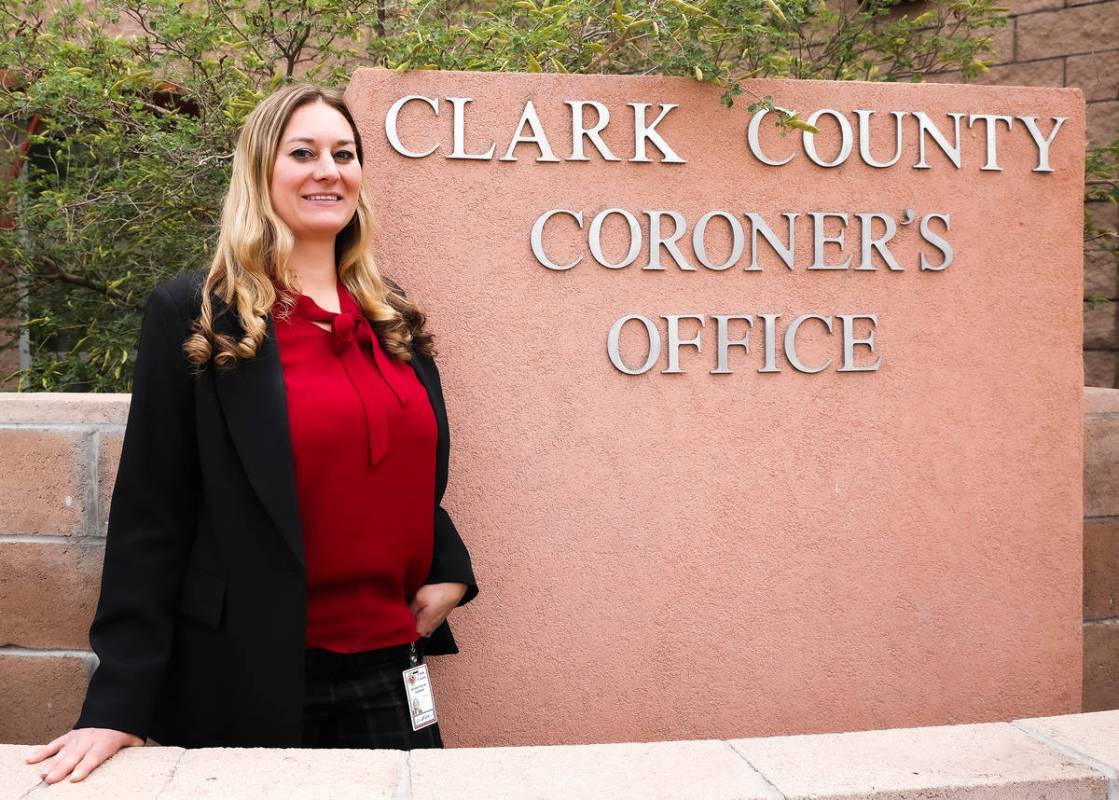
[{"x": 316, "y": 177}]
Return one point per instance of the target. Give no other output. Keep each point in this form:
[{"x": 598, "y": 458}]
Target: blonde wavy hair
[{"x": 254, "y": 245}]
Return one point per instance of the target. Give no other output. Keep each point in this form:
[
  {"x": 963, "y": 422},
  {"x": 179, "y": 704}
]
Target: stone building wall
[
  {"x": 1101, "y": 549},
  {"x": 1076, "y": 44}
]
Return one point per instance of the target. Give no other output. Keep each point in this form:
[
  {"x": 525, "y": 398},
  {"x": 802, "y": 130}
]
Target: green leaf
[
  {"x": 794, "y": 121},
  {"x": 639, "y": 25},
  {"x": 688, "y": 8},
  {"x": 776, "y": 9}
]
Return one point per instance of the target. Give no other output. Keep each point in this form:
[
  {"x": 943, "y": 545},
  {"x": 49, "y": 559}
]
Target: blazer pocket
[{"x": 202, "y": 597}]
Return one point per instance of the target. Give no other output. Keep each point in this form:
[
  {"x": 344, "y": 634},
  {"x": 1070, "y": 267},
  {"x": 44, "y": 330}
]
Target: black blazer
[{"x": 201, "y": 621}]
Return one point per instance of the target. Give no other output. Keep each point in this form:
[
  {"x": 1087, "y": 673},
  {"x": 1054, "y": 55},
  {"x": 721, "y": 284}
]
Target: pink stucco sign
[{"x": 753, "y": 433}]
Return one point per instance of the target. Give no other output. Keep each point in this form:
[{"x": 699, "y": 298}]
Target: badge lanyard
[{"x": 417, "y": 688}]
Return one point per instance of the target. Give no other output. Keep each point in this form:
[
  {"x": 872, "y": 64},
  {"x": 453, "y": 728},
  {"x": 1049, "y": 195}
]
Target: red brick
[
  {"x": 1101, "y": 465},
  {"x": 48, "y": 593},
  {"x": 108, "y": 459},
  {"x": 1103, "y": 122},
  {"x": 1102, "y": 214},
  {"x": 1101, "y": 666},
  {"x": 1096, "y": 73},
  {"x": 42, "y": 695},
  {"x": 1101, "y": 368},
  {"x": 1100, "y": 329},
  {"x": 1101, "y": 274},
  {"x": 1101, "y": 570},
  {"x": 1001, "y": 52},
  {"x": 1050, "y": 72},
  {"x": 1003, "y": 44},
  {"x": 1017, "y": 7},
  {"x": 1084, "y": 29},
  {"x": 944, "y": 77},
  {"x": 46, "y": 474}
]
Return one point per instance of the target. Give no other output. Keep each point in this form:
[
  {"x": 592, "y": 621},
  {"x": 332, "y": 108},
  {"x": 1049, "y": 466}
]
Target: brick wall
[
  {"x": 58, "y": 460},
  {"x": 1101, "y": 549},
  {"x": 1073, "y": 43}
]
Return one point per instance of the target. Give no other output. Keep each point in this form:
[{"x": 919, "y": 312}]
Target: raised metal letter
[
  {"x": 641, "y": 132},
  {"x": 594, "y": 238},
  {"x": 791, "y": 343},
  {"x": 459, "y": 137},
  {"x": 723, "y": 343},
  {"x": 654, "y": 345},
  {"x": 849, "y": 342},
  {"x": 390, "y": 125},
  {"x": 675, "y": 342},
  {"x": 537, "y": 238}
]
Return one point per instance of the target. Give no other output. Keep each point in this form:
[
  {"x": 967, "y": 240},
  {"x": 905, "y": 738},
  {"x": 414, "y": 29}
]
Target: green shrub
[{"x": 133, "y": 137}]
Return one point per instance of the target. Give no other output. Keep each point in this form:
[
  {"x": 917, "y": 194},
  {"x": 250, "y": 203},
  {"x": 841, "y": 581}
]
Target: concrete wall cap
[
  {"x": 68, "y": 408},
  {"x": 1098, "y": 400},
  {"x": 948, "y": 761},
  {"x": 1059, "y": 758},
  {"x": 703, "y": 770},
  {"x": 1095, "y": 736}
]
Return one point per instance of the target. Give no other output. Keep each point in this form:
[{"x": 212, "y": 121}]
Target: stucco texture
[{"x": 695, "y": 555}]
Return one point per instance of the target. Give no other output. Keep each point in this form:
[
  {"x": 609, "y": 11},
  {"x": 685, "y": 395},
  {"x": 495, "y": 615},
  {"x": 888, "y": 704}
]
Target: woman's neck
[{"x": 313, "y": 264}]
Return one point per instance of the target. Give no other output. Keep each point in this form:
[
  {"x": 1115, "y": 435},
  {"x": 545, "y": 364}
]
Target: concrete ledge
[
  {"x": 702, "y": 770},
  {"x": 1074, "y": 757},
  {"x": 1093, "y": 738},
  {"x": 986, "y": 761},
  {"x": 1099, "y": 400},
  {"x": 63, "y": 408}
]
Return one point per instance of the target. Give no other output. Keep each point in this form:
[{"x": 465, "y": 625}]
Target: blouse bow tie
[{"x": 351, "y": 333}]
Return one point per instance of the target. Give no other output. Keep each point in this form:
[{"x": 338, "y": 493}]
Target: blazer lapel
[
  {"x": 442, "y": 444},
  {"x": 254, "y": 401}
]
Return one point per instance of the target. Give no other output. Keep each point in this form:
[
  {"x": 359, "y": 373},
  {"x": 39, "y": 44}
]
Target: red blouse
[{"x": 363, "y": 440}]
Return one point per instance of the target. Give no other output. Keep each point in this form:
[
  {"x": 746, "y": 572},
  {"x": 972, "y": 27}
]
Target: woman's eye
[{"x": 303, "y": 152}]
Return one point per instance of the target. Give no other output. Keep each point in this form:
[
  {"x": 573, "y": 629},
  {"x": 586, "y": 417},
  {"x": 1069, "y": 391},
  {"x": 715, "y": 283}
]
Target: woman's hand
[
  {"x": 80, "y": 752},
  {"x": 433, "y": 603}
]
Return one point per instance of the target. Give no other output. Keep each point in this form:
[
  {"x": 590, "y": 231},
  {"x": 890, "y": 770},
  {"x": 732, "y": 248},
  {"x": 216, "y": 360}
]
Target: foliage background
[{"x": 132, "y": 135}]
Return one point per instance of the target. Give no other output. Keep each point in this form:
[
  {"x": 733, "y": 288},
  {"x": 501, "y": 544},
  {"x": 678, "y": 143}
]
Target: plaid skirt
[{"x": 357, "y": 701}]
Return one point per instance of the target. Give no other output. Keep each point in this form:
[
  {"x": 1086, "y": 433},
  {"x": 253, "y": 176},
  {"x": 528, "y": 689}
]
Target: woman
[{"x": 276, "y": 547}]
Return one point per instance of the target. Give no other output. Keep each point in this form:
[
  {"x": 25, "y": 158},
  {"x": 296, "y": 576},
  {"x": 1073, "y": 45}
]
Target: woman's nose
[{"x": 326, "y": 168}]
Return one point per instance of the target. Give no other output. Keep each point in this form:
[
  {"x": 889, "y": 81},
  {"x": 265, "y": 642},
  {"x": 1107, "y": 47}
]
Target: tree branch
[{"x": 62, "y": 276}]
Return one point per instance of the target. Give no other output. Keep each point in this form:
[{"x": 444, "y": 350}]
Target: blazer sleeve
[
  {"x": 450, "y": 561},
  {"x": 151, "y": 527}
]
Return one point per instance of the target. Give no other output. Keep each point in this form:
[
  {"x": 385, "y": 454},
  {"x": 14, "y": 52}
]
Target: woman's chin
[{"x": 322, "y": 230}]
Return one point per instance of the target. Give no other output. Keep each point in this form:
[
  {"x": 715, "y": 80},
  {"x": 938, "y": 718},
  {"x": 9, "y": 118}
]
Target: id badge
[{"x": 421, "y": 702}]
